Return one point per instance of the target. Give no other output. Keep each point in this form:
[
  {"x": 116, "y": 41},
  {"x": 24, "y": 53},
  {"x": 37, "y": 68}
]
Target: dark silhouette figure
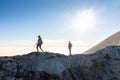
[
  {"x": 39, "y": 43},
  {"x": 69, "y": 47}
]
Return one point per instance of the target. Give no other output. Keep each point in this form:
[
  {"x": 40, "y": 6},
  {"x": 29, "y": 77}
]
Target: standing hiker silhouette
[
  {"x": 39, "y": 43},
  {"x": 69, "y": 47}
]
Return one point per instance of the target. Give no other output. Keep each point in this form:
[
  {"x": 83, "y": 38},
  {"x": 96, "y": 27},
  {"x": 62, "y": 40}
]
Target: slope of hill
[
  {"x": 110, "y": 41},
  {"x": 102, "y": 65}
]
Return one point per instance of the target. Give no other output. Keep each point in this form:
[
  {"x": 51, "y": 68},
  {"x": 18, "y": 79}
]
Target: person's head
[
  {"x": 69, "y": 42},
  {"x": 39, "y": 36}
]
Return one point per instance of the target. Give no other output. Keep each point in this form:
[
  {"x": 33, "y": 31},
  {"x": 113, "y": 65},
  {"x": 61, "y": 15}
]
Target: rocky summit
[{"x": 102, "y": 65}]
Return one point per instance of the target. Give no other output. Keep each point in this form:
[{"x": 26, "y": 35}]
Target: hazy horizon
[{"x": 57, "y": 46}]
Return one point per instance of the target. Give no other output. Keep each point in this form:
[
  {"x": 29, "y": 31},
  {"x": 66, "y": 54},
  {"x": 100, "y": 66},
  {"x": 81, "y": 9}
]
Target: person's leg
[
  {"x": 37, "y": 48},
  {"x": 70, "y": 51},
  {"x": 41, "y": 48}
]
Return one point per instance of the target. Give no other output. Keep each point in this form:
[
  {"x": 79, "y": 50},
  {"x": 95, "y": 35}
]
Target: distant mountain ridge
[{"x": 113, "y": 40}]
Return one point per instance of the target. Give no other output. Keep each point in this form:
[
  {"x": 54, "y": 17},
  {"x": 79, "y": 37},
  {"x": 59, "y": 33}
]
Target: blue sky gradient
[{"x": 25, "y": 19}]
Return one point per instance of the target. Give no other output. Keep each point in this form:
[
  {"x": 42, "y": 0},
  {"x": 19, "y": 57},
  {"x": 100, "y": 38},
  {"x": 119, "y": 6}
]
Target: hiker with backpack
[{"x": 39, "y": 43}]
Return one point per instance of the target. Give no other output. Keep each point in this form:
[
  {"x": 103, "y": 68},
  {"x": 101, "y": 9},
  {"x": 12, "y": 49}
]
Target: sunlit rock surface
[
  {"x": 110, "y": 41},
  {"x": 102, "y": 65}
]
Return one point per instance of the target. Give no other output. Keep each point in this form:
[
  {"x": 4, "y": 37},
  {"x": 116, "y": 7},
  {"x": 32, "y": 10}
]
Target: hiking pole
[{"x": 33, "y": 47}]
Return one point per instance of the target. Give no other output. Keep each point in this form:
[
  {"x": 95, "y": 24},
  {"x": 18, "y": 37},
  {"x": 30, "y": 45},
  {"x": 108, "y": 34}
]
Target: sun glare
[{"x": 83, "y": 21}]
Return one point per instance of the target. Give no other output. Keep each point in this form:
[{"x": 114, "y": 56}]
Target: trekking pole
[{"x": 33, "y": 47}]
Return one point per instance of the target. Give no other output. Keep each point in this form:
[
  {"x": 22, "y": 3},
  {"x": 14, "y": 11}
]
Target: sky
[{"x": 84, "y": 22}]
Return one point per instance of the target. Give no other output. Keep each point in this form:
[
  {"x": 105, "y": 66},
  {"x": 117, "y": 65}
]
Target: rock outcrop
[{"x": 102, "y": 65}]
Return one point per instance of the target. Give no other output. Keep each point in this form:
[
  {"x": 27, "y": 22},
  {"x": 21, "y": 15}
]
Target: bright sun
[{"x": 83, "y": 21}]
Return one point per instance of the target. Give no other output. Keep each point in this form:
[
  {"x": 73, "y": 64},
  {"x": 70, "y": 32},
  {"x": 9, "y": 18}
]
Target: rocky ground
[{"x": 102, "y": 65}]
